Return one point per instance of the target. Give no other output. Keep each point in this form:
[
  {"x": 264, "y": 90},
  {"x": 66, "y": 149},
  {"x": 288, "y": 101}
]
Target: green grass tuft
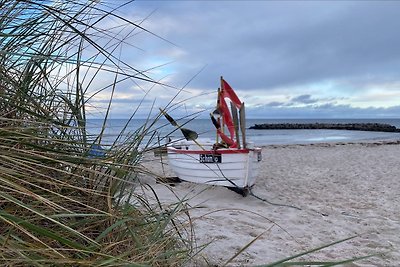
[{"x": 58, "y": 206}]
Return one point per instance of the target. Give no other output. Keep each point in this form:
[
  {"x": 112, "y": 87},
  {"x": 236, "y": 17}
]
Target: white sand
[{"x": 342, "y": 190}]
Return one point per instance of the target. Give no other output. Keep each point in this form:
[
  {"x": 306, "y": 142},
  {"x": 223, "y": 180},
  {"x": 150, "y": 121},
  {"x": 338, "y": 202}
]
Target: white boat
[
  {"x": 228, "y": 161},
  {"x": 234, "y": 168}
]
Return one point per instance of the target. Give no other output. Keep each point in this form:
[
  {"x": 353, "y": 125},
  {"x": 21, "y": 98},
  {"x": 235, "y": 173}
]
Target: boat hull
[{"x": 237, "y": 168}]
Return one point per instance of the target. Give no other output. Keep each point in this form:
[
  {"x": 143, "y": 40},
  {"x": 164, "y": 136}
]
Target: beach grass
[{"x": 63, "y": 203}]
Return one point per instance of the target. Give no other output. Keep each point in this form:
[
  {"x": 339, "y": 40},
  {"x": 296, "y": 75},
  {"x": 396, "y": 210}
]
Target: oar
[
  {"x": 187, "y": 133},
  {"x": 242, "y": 118},
  {"x": 235, "y": 119}
]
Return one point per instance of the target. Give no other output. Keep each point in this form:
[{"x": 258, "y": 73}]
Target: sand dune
[{"x": 331, "y": 192}]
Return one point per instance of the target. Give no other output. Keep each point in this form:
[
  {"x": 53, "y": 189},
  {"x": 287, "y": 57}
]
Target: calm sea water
[{"x": 205, "y": 129}]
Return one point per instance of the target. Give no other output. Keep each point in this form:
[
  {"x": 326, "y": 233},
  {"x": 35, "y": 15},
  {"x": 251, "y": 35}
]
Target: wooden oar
[
  {"x": 235, "y": 123},
  {"x": 187, "y": 133},
  {"x": 242, "y": 117}
]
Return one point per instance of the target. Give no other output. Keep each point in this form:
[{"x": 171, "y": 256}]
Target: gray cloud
[
  {"x": 265, "y": 45},
  {"x": 304, "y": 99},
  {"x": 130, "y": 100},
  {"x": 275, "y": 104}
]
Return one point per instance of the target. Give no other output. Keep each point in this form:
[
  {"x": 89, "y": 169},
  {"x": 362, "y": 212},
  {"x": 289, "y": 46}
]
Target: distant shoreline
[{"x": 373, "y": 127}]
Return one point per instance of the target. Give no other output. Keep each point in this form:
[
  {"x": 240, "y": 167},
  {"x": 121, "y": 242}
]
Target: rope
[{"x": 274, "y": 204}]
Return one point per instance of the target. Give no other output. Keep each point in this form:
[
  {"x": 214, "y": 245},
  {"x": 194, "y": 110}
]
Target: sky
[{"x": 284, "y": 59}]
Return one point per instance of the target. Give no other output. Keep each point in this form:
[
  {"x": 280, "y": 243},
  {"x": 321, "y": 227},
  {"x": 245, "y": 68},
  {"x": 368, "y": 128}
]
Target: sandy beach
[{"x": 317, "y": 194}]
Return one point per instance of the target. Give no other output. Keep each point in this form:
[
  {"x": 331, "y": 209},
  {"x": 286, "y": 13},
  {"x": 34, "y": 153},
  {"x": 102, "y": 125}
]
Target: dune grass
[{"x": 59, "y": 205}]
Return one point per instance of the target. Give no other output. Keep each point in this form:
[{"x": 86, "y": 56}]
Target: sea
[{"x": 156, "y": 133}]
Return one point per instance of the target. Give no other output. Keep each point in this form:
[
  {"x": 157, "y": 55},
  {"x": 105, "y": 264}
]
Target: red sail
[
  {"x": 228, "y": 92},
  {"x": 226, "y": 139},
  {"x": 227, "y": 118}
]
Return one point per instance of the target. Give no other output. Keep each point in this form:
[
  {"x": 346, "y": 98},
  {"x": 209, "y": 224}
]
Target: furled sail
[{"x": 223, "y": 112}]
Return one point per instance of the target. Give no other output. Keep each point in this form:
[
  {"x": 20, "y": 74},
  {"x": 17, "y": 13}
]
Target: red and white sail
[{"x": 227, "y": 92}]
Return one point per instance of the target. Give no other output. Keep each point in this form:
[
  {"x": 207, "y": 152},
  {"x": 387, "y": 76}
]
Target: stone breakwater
[{"x": 376, "y": 127}]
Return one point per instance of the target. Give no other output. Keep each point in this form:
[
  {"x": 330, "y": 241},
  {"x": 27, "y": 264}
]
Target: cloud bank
[{"x": 284, "y": 59}]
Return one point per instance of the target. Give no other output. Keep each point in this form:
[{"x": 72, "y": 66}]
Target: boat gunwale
[{"x": 214, "y": 152}]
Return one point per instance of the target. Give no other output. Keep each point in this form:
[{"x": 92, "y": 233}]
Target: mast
[
  {"x": 219, "y": 112},
  {"x": 222, "y": 116}
]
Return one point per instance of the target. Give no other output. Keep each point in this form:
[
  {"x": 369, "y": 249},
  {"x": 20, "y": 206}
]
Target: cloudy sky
[{"x": 285, "y": 59}]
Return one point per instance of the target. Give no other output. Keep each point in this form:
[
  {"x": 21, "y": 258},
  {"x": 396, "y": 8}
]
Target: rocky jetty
[{"x": 376, "y": 127}]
